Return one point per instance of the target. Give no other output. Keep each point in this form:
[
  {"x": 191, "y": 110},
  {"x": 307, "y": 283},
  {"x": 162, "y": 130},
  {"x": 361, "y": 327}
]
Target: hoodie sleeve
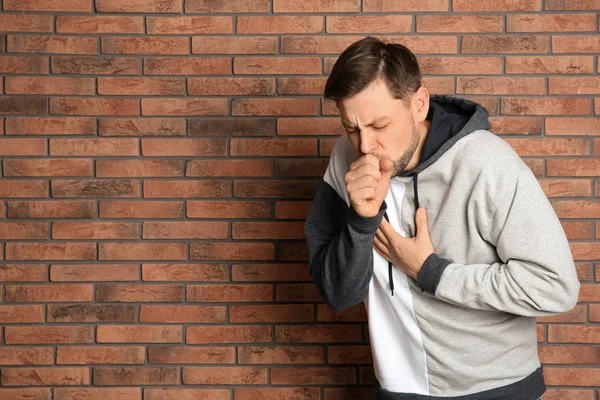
[
  {"x": 537, "y": 275},
  {"x": 340, "y": 248}
]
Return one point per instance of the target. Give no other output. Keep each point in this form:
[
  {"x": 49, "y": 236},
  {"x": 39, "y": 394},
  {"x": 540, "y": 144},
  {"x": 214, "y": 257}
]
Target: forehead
[{"x": 374, "y": 102}]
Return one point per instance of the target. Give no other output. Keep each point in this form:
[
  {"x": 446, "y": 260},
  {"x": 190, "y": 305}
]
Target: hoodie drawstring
[{"x": 416, "y": 193}]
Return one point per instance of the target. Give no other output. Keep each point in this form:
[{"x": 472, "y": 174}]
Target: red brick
[
  {"x": 26, "y": 23},
  {"x": 24, "y": 64},
  {"x": 228, "y": 334},
  {"x": 99, "y": 24},
  {"x": 95, "y": 230},
  {"x": 184, "y": 147},
  {"x": 276, "y": 189},
  {"x": 136, "y": 376},
  {"x": 51, "y": 251},
  {"x": 230, "y": 6},
  {"x": 277, "y": 65},
  {"x": 589, "y": 293},
  {"x": 597, "y": 106},
  {"x": 48, "y": 167},
  {"x": 23, "y": 273},
  {"x": 293, "y": 251},
  {"x": 309, "y": 126},
  {"x": 505, "y": 44},
  {"x": 543, "y": 147},
  {"x": 52, "y": 44},
  {"x": 253, "y": 168},
  {"x": 49, "y": 5},
  {"x": 271, "y": 313},
  {"x": 337, "y": 44},
  {"x": 224, "y": 376},
  {"x": 572, "y": 126},
  {"x": 45, "y": 376},
  {"x": 369, "y": 23},
  {"x": 26, "y": 394},
  {"x": 50, "y": 209},
  {"x": 584, "y": 272},
  {"x": 572, "y": 376},
  {"x": 96, "y": 65},
  {"x": 459, "y": 23},
  {"x": 232, "y": 251},
  {"x": 585, "y": 251},
  {"x": 95, "y": 188},
  {"x": 354, "y": 314},
  {"x": 578, "y": 314},
  {"x": 298, "y": 292},
  {"x": 573, "y": 167},
  {"x": 23, "y": 105},
  {"x": 141, "y": 127},
  {"x": 187, "y": 66},
  {"x": 182, "y": 314},
  {"x": 26, "y": 356},
  {"x": 141, "y": 209},
  {"x": 404, "y": 6},
  {"x": 229, "y": 293},
  {"x": 94, "y": 147},
  {"x": 142, "y": 251},
  {"x": 576, "y": 44},
  {"x": 350, "y": 393},
  {"x": 277, "y": 393},
  {"x": 545, "y": 106},
  {"x": 279, "y": 24},
  {"x": 91, "y": 313},
  {"x": 438, "y": 85},
  {"x": 138, "y": 334},
  {"x": 498, "y": 5},
  {"x": 234, "y": 45},
  {"x": 268, "y": 230},
  {"x": 572, "y": 4},
  {"x": 139, "y": 293},
  {"x": 595, "y": 312},
  {"x": 97, "y": 393},
  {"x": 566, "y": 188},
  {"x": 270, "y": 272},
  {"x": 485, "y": 85},
  {"x": 59, "y": 334},
  {"x": 568, "y": 394},
  {"x": 231, "y": 127},
  {"x": 139, "y": 6},
  {"x": 189, "y": 25},
  {"x": 516, "y": 125},
  {"x": 228, "y": 209},
  {"x": 50, "y": 126},
  {"x": 273, "y": 147},
  {"x": 185, "y": 106},
  {"x": 185, "y": 272},
  {"x": 185, "y": 189},
  {"x": 100, "y": 355},
  {"x": 185, "y": 230},
  {"x": 577, "y": 208},
  {"x": 280, "y": 355},
  {"x": 94, "y": 106},
  {"x": 145, "y": 45},
  {"x": 141, "y": 86},
  {"x": 294, "y": 86},
  {"x": 313, "y": 376},
  {"x": 20, "y": 314},
  {"x": 190, "y": 355},
  {"x": 138, "y": 168},
  {"x": 231, "y": 86},
  {"x": 292, "y": 209},
  {"x": 577, "y": 230},
  {"x": 489, "y": 103},
  {"x": 549, "y": 65},
  {"x": 318, "y": 333},
  {"x": 349, "y": 355},
  {"x": 275, "y": 106},
  {"x": 301, "y": 168},
  {"x": 550, "y": 23},
  {"x": 48, "y": 293},
  {"x": 28, "y": 188},
  {"x": 574, "y": 85},
  {"x": 22, "y": 147},
  {"x": 186, "y": 394},
  {"x": 316, "y": 6}
]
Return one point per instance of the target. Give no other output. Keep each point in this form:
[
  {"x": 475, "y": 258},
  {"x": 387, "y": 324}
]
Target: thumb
[
  {"x": 386, "y": 167},
  {"x": 421, "y": 220}
]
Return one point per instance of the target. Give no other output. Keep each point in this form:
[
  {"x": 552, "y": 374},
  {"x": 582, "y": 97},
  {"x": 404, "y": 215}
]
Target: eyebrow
[{"x": 348, "y": 125}]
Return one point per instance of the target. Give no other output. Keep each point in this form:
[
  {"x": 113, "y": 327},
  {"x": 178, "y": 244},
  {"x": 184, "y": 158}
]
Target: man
[{"x": 441, "y": 229}]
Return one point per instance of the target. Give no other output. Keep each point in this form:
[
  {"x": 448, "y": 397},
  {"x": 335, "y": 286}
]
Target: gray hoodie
[{"x": 465, "y": 328}]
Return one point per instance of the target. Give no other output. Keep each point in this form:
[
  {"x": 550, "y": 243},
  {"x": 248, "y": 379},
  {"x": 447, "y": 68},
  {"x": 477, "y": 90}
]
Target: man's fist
[{"x": 367, "y": 183}]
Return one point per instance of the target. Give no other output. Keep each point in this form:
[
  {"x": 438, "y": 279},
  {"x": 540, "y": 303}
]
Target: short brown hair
[{"x": 368, "y": 59}]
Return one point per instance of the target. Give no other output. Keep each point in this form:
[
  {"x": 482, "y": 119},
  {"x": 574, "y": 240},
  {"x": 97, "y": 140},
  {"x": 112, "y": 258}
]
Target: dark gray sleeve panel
[{"x": 340, "y": 248}]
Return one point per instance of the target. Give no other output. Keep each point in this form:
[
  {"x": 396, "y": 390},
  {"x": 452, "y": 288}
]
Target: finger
[
  {"x": 421, "y": 220},
  {"x": 365, "y": 193},
  {"x": 386, "y": 168},
  {"x": 366, "y": 159},
  {"x": 363, "y": 183},
  {"x": 388, "y": 230},
  {"x": 381, "y": 249},
  {"x": 364, "y": 170},
  {"x": 379, "y": 235}
]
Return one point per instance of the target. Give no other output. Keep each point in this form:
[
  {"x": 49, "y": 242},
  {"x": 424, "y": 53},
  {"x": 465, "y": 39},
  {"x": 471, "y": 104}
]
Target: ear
[{"x": 420, "y": 104}]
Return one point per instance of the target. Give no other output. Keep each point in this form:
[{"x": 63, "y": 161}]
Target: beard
[{"x": 401, "y": 164}]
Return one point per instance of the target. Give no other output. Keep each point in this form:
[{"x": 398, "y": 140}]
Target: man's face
[{"x": 379, "y": 124}]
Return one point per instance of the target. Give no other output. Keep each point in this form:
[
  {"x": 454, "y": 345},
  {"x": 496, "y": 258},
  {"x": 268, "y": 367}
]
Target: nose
[{"x": 367, "y": 141}]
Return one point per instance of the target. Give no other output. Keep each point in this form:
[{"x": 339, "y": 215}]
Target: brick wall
[{"x": 159, "y": 157}]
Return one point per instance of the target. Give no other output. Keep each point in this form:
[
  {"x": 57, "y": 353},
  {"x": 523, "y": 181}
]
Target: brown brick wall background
[{"x": 159, "y": 156}]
